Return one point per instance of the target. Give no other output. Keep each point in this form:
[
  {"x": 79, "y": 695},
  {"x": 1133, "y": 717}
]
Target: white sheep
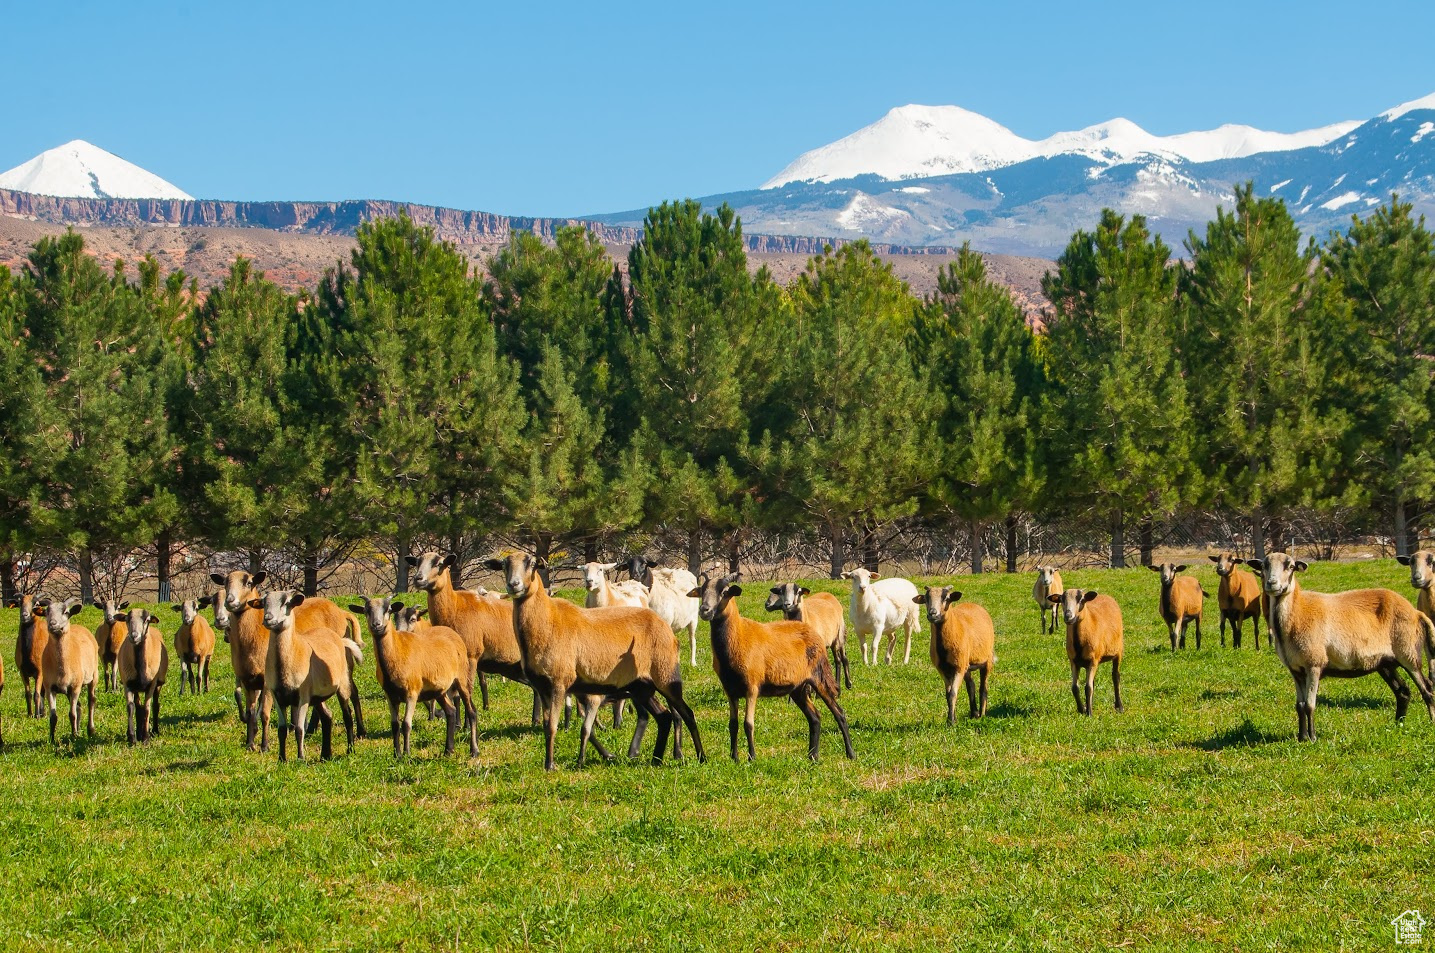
[
  {"x": 602, "y": 593},
  {"x": 880, "y": 606},
  {"x": 668, "y": 596}
]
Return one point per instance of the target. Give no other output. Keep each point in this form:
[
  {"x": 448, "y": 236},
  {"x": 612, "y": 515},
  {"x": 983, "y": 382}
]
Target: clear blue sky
[{"x": 552, "y": 109}]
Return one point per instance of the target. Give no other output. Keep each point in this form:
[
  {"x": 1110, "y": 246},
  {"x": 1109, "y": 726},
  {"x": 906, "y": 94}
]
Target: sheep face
[
  {"x": 1072, "y": 602},
  {"x": 861, "y": 578},
  {"x": 237, "y": 586},
  {"x": 1422, "y": 569},
  {"x": 221, "y": 611},
  {"x": 1168, "y": 572},
  {"x": 786, "y": 597},
  {"x": 59, "y": 614},
  {"x": 278, "y": 608},
  {"x": 406, "y": 617},
  {"x": 937, "y": 599},
  {"x": 111, "y": 609},
  {"x": 1225, "y": 563},
  {"x": 519, "y": 570},
  {"x": 138, "y": 622},
  {"x": 1277, "y": 572},
  {"x": 189, "y": 609},
  {"x": 595, "y": 574},
  {"x": 1048, "y": 576},
  {"x": 430, "y": 568},
  {"x": 376, "y": 611},
  {"x": 713, "y": 594}
]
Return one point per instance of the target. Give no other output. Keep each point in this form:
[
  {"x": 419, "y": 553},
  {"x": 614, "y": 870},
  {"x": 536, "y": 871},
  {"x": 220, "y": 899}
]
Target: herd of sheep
[{"x": 299, "y": 653}]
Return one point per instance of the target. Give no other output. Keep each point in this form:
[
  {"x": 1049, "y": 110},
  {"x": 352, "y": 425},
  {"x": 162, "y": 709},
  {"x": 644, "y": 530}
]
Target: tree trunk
[
  {"x": 590, "y": 549},
  {"x": 838, "y": 539},
  {"x": 975, "y": 530},
  {"x": 1147, "y": 542},
  {"x": 87, "y": 576},
  {"x": 163, "y": 550},
  {"x": 1118, "y": 540},
  {"x": 311, "y": 571},
  {"x": 256, "y": 561},
  {"x": 734, "y": 553},
  {"x": 1277, "y": 534},
  {"x": 1402, "y": 527},
  {"x": 1011, "y": 525},
  {"x": 695, "y": 551},
  {"x": 871, "y": 551},
  {"x": 8, "y": 592},
  {"x": 1258, "y": 533},
  {"x": 402, "y": 546},
  {"x": 542, "y": 547}
]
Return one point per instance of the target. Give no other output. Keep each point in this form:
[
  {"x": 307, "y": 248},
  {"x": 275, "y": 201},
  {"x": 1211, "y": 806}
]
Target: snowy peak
[
  {"x": 80, "y": 170},
  {"x": 923, "y": 141}
]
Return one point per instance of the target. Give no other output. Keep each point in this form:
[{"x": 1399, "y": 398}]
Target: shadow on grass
[
  {"x": 1363, "y": 702},
  {"x": 1211, "y": 694},
  {"x": 1244, "y": 735},
  {"x": 194, "y": 718},
  {"x": 198, "y": 764}
]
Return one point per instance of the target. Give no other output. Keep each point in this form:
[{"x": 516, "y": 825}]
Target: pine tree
[
  {"x": 1385, "y": 264},
  {"x": 22, "y": 413},
  {"x": 852, "y": 417},
  {"x": 1255, "y": 338},
  {"x": 981, "y": 354},
  {"x": 1116, "y": 417}
]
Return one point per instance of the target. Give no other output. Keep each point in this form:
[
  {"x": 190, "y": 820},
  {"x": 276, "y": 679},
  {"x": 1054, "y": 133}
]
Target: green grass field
[{"x": 1192, "y": 820}]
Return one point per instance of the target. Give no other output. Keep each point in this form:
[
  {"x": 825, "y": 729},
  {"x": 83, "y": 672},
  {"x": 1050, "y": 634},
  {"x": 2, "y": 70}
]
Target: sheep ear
[
  {"x": 1214, "y": 559},
  {"x": 1087, "y": 596},
  {"x": 259, "y": 578},
  {"x": 876, "y": 575},
  {"x": 776, "y": 590},
  {"x": 654, "y": 562},
  {"x": 733, "y": 591},
  {"x": 395, "y": 606},
  {"x": 1181, "y": 568},
  {"x": 920, "y": 600},
  {"x": 493, "y": 565},
  {"x": 177, "y": 608},
  {"x": 1154, "y": 568},
  {"x": 101, "y": 606},
  {"x": 1255, "y": 564},
  {"x": 358, "y": 610},
  {"x": 1403, "y": 560},
  {"x": 953, "y": 597},
  {"x": 607, "y": 567},
  {"x": 74, "y": 610},
  {"x": 124, "y": 606},
  {"x": 695, "y": 594},
  {"x": 540, "y": 562},
  {"x": 295, "y": 599},
  {"x": 1054, "y": 598},
  {"x": 1300, "y": 566},
  {"x": 255, "y": 603},
  {"x": 421, "y": 613},
  {"x": 804, "y": 591},
  {"x": 450, "y": 560},
  {"x": 411, "y": 560},
  {"x": 217, "y": 579},
  {"x": 151, "y": 618}
]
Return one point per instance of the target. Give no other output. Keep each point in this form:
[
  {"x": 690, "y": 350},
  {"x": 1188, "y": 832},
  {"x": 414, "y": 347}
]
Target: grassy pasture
[{"x": 1194, "y": 820}]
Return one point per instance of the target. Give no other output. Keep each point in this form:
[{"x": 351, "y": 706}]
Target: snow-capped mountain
[
  {"x": 915, "y": 142},
  {"x": 941, "y": 175},
  {"x": 80, "y": 170}
]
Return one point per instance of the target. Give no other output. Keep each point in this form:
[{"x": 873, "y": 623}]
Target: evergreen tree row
[{"x": 565, "y": 401}]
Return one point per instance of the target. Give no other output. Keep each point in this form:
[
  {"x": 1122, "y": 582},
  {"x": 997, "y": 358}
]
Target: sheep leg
[
  {"x": 74, "y": 696},
  {"x": 142, "y": 717},
  {"x": 1171, "y": 631},
  {"x": 266, "y": 704},
  {"x": 951, "y": 693},
  {"x": 891, "y": 644},
  {"x": 1390, "y": 672},
  {"x": 154, "y": 716},
  {"x": 1225, "y": 617},
  {"x": 313, "y": 723},
  {"x": 395, "y": 730},
  {"x": 732, "y": 726},
  {"x": 618, "y": 704},
  {"x": 907, "y": 653},
  {"x": 749, "y": 725},
  {"x": 299, "y": 726},
  {"x": 29, "y": 693},
  {"x": 674, "y": 694},
  {"x": 639, "y": 729},
  {"x": 129, "y": 717},
  {"x": 644, "y": 694},
  {"x": 1075, "y": 687},
  {"x": 239, "y": 703},
  {"x": 866, "y": 644},
  {"x": 1198, "y": 633},
  {"x": 802, "y": 698},
  {"x": 350, "y": 730},
  {"x": 283, "y": 733},
  {"x": 326, "y": 727},
  {"x": 1091, "y": 683},
  {"x": 1256, "y": 627},
  {"x": 483, "y": 691},
  {"x": 829, "y": 698},
  {"x": 359, "y": 730},
  {"x": 986, "y": 670},
  {"x": 591, "y": 708},
  {"x": 1312, "y": 689},
  {"x": 556, "y": 697},
  {"x": 693, "y": 640},
  {"x": 465, "y": 695},
  {"x": 971, "y": 682},
  {"x": 537, "y": 704},
  {"x": 846, "y": 667},
  {"x": 53, "y": 715},
  {"x": 1116, "y": 682},
  {"x": 450, "y": 719}
]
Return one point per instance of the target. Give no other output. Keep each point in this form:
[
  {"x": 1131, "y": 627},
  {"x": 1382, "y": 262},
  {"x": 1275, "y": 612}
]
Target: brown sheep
[
  {"x": 248, "y": 640},
  {"x": 30, "y": 645},
  {"x": 71, "y": 664},
  {"x": 593, "y": 652},
  {"x": 485, "y": 625},
  {"x": 193, "y": 644},
  {"x": 1422, "y": 575},
  {"x": 1048, "y": 581},
  {"x": 1093, "y": 635},
  {"x": 306, "y": 667},
  {"x": 1343, "y": 635},
  {"x": 822, "y": 611},
  {"x": 1238, "y": 598},
  {"x": 962, "y": 639},
  {"x": 111, "y": 635},
  {"x": 420, "y": 667},
  {"x": 143, "y": 667},
  {"x": 1181, "y": 601},
  {"x": 765, "y": 660}
]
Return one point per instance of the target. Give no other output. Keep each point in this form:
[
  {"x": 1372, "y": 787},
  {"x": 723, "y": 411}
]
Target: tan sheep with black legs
[
  {"x": 110, "y": 636},
  {"x": 767, "y": 660},
  {"x": 71, "y": 664},
  {"x": 193, "y": 645},
  {"x": 143, "y": 668},
  {"x": 1182, "y": 599},
  {"x": 419, "y": 667},
  {"x": 1094, "y": 634},
  {"x": 1048, "y": 581},
  {"x": 1344, "y": 635},
  {"x": 963, "y": 641},
  {"x": 306, "y": 668},
  {"x": 593, "y": 652},
  {"x": 30, "y": 643},
  {"x": 1422, "y": 577},
  {"x": 822, "y": 611},
  {"x": 1238, "y": 598}
]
